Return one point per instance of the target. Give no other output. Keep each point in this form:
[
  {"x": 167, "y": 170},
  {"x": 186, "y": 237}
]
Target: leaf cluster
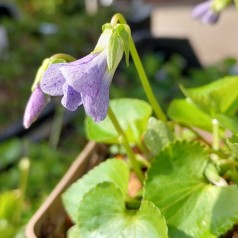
[{"x": 190, "y": 187}]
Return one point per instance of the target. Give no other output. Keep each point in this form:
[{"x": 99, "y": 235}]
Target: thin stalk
[
  {"x": 66, "y": 57},
  {"x": 126, "y": 145},
  {"x": 24, "y": 166},
  {"x": 145, "y": 83},
  {"x": 141, "y": 72},
  {"x": 215, "y": 133},
  {"x": 56, "y": 127}
]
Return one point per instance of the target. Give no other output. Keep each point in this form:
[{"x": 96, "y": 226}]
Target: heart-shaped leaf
[
  {"x": 132, "y": 115},
  {"x": 103, "y": 214},
  {"x": 112, "y": 170},
  {"x": 191, "y": 205}
]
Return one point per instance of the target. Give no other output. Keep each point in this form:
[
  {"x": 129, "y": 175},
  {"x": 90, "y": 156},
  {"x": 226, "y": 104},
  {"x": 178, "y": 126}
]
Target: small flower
[
  {"x": 84, "y": 82},
  {"x": 206, "y": 13},
  {"x": 34, "y": 107}
]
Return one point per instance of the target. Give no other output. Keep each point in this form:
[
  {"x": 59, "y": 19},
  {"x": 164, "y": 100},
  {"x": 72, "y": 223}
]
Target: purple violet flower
[
  {"x": 205, "y": 13},
  {"x": 34, "y": 107},
  {"x": 83, "y": 82}
]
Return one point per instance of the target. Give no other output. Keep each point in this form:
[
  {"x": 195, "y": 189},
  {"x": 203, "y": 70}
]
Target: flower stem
[
  {"x": 126, "y": 145},
  {"x": 56, "y": 127},
  {"x": 215, "y": 131},
  {"x": 145, "y": 83},
  {"x": 141, "y": 72},
  {"x": 24, "y": 166},
  {"x": 66, "y": 57}
]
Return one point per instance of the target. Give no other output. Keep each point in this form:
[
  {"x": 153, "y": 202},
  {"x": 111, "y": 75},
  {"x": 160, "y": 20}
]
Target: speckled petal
[
  {"x": 201, "y": 9},
  {"x": 52, "y": 81},
  {"x": 71, "y": 99},
  {"x": 86, "y": 78},
  {"x": 34, "y": 107},
  {"x": 97, "y": 107}
]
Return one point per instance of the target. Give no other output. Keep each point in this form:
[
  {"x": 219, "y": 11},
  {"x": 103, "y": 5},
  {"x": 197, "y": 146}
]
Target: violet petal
[
  {"x": 71, "y": 99},
  {"x": 34, "y": 107},
  {"x": 52, "y": 80},
  {"x": 86, "y": 78},
  {"x": 201, "y": 9},
  {"x": 97, "y": 107}
]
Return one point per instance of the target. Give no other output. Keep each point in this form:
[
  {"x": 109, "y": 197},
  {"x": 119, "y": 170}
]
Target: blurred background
[{"x": 174, "y": 49}]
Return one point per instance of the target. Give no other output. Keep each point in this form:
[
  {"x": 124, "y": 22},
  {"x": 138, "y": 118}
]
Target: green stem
[
  {"x": 141, "y": 72},
  {"x": 66, "y": 57},
  {"x": 126, "y": 145},
  {"x": 145, "y": 83},
  {"x": 215, "y": 131},
  {"x": 56, "y": 127},
  {"x": 232, "y": 163},
  {"x": 24, "y": 166}
]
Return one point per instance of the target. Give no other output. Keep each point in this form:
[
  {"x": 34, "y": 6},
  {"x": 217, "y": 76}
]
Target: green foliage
[
  {"x": 191, "y": 187},
  {"x": 107, "y": 215},
  {"x": 207, "y": 102},
  {"x": 216, "y": 97},
  {"x": 188, "y": 181},
  {"x": 191, "y": 205}
]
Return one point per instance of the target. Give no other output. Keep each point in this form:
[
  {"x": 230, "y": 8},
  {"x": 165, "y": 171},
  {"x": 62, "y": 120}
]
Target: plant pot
[{"x": 50, "y": 220}]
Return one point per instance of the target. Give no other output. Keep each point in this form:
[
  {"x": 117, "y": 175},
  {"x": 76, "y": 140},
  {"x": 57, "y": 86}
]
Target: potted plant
[{"x": 184, "y": 167}]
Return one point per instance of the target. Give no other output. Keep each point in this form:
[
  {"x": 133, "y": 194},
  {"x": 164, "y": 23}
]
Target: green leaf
[
  {"x": 74, "y": 232},
  {"x": 103, "y": 213},
  {"x": 111, "y": 170},
  {"x": 185, "y": 112},
  {"x": 10, "y": 205},
  {"x": 216, "y": 97},
  {"x": 191, "y": 205},
  {"x": 132, "y": 115},
  {"x": 124, "y": 32},
  {"x": 157, "y": 135},
  {"x": 227, "y": 122}
]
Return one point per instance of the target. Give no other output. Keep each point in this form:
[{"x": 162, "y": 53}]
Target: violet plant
[
  {"x": 209, "y": 11},
  {"x": 185, "y": 160}
]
